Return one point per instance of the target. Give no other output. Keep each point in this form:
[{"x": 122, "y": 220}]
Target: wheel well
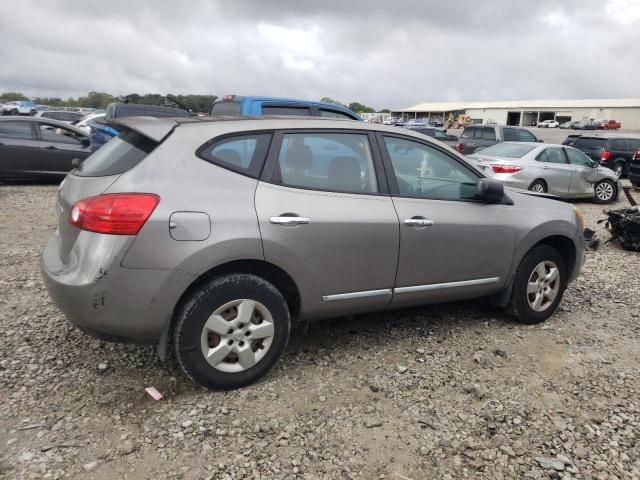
[
  {"x": 566, "y": 248},
  {"x": 270, "y": 272},
  {"x": 541, "y": 180}
]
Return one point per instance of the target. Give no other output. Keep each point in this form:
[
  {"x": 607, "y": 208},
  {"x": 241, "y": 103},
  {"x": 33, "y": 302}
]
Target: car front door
[
  {"x": 19, "y": 150},
  {"x": 451, "y": 246},
  {"x": 59, "y": 146},
  {"x": 326, "y": 218},
  {"x": 583, "y": 172},
  {"x": 556, "y": 170}
]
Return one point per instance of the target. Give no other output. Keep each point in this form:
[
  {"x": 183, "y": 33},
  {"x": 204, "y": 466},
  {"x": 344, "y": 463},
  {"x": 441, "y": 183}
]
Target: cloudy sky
[{"x": 381, "y": 53}]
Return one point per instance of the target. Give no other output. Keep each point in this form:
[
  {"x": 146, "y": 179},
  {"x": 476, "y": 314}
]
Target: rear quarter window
[
  {"x": 582, "y": 143},
  {"x": 117, "y": 156},
  {"x": 244, "y": 154}
]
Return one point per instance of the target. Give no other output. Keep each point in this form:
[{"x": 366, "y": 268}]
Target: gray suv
[
  {"x": 475, "y": 137},
  {"x": 214, "y": 235}
]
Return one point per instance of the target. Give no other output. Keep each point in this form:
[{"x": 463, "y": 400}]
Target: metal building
[{"x": 530, "y": 112}]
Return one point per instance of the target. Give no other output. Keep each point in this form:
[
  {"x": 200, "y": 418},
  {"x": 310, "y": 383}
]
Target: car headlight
[{"x": 579, "y": 216}]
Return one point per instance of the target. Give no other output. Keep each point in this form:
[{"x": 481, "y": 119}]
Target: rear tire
[
  {"x": 538, "y": 186},
  {"x": 538, "y": 285},
  {"x": 618, "y": 168},
  {"x": 240, "y": 322},
  {"x": 605, "y": 191}
]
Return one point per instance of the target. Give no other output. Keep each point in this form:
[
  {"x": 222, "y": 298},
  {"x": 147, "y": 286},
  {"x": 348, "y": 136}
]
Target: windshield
[
  {"x": 225, "y": 108},
  {"x": 510, "y": 150}
]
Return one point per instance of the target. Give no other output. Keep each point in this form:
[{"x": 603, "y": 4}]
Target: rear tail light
[
  {"x": 505, "y": 168},
  {"x": 459, "y": 147},
  {"x": 605, "y": 155},
  {"x": 114, "y": 213}
]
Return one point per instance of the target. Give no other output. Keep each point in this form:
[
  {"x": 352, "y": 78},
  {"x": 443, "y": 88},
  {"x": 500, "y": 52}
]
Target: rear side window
[
  {"x": 488, "y": 133},
  {"x": 225, "y": 108},
  {"x": 582, "y": 143},
  {"x": 334, "y": 114},
  {"x": 16, "y": 130},
  {"x": 297, "y": 111},
  {"x": 552, "y": 155},
  {"x": 117, "y": 155},
  {"x": 510, "y": 135},
  {"x": 243, "y": 154},
  {"x": 525, "y": 136},
  {"x": 633, "y": 144},
  {"x": 618, "y": 144},
  {"x": 468, "y": 132}
]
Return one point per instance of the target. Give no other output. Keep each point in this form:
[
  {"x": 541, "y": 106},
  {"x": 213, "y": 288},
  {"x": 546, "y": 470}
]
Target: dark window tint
[
  {"x": 618, "y": 144},
  {"x": 633, "y": 144},
  {"x": 422, "y": 171},
  {"x": 301, "y": 111},
  {"x": 526, "y": 136},
  {"x": 334, "y": 114},
  {"x": 69, "y": 116},
  {"x": 16, "y": 130},
  {"x": 509, "y": 135},
  {"x": 335, "y": 162},
  {"x": 225, "y": 108},
  {"x": 117, "y": 155},
  {"x": 589, "y": 143},
  {"x": 439, "y": 134},
  {"x": 468, "y": 132},
  {"x": 576, "y": 157},
  {"x": 244, "y": 154},
  {"x": 55, "y": 134},
  {"x": 488, "y": 133},
  {"x": 51, "y": 115},
  {"x": 552, "y": 155}
]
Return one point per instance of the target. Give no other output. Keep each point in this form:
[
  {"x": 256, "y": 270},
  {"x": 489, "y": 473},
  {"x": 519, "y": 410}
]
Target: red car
[{"x": 609, "y": 125}]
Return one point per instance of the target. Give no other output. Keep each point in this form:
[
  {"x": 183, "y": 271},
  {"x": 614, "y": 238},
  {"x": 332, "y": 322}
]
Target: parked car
[
  {"x": 570, "y": 139},
  {"x": 548, "y": 124},
  {"x": 440, "y": 135},
  {"x": 559, "y": 170},
  {"x": 218, "y": 234},
  {"x": 66, "y": 116},
  {"x": 389, "y": 121},
  {"x": 39, "y": 149},
  {"x": 590, "y": 125},
  {"x": 634, "y": 169},
  {"x": 568, "y": 125},
  {"x": 475, "y": 137},
  {"x": 257, "y": 106},
  {"x": 608, "y": 125},
  {"x": 612, "y": 151},
  {"x": 418, "y": 122},
  {"x": 85, "y": 122},
  {"x": 18, "y": 108}
]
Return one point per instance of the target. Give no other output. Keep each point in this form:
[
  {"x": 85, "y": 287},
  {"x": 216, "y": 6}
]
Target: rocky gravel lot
[{"x": 451, "y": 391}]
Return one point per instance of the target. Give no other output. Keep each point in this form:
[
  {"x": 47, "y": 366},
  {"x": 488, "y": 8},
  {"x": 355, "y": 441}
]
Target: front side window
[
  {"x": 576, "y": 157},
  {"x": 335, "y": 162},
  {"x": 244, "y": 154},
  {"x": 50, "y": 133},
  {"x": 21, "y": 130},
  {"x": 422, "y": 171},
  {"x": 552, "y": 155},
  {"x": 526, "y": 136},
  {"x": 334, "y": 114}
]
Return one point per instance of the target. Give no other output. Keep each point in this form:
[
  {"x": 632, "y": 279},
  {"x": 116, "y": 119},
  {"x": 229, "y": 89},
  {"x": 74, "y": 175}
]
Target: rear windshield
[
  {"x": 510, "y": 150},
  {"x": 225, "y": 108},
  {"x": 590, "y": 143},
  {"x": 117, "y": 155}
]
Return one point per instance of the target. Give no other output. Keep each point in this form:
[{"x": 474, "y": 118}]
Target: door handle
[
  {"x": 546, "y": 167},
  {"x": 418, "y": 222},
  {"x": 289, "y": 221},
  {"x": 51, "y": 147}
]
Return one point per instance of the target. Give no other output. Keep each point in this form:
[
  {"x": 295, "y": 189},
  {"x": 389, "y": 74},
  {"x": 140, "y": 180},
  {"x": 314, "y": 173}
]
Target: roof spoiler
[{"x": 156, "y": 129}]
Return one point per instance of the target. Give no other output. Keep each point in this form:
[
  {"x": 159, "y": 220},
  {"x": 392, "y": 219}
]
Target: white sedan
[{"x": 548, "y": 124}]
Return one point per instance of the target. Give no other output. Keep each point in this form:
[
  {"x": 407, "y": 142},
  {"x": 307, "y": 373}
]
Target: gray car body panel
[{"x": 350, "y": 258}]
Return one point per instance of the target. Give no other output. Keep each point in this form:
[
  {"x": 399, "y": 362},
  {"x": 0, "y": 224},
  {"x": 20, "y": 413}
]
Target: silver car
[
  {"x": 215, "y": 235},
  {"x": 545, "y": 168}
]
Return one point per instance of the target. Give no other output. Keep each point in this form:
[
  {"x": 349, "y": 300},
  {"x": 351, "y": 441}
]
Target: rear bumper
[{"x": 107, "y": 301}]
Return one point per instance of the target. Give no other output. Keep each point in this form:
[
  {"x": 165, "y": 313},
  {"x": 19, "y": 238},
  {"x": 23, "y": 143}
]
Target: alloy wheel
[
  {"x": 538, "y": 188},
  {"x": 543, "y": 286},
  {"x": 604, "y": 191},
  {"x": 237, "y": 335}
]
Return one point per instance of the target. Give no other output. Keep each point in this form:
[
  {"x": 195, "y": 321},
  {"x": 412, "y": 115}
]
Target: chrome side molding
[
  {"x": 438, "y": 286},
  {"x": 353, "y": 295}
]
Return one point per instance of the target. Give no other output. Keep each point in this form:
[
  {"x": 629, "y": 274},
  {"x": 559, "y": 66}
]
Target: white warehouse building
[{"x": 530, "y": 112}]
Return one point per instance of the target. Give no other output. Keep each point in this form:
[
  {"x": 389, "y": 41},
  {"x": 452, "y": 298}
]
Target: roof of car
[
  {"x": 51, "y": 121},
  {"x": 606, "y": 136}
]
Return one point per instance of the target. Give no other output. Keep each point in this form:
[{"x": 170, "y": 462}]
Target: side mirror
[
  {"x": 489, "y": 190},
  {"x": 540, "y": 141}
]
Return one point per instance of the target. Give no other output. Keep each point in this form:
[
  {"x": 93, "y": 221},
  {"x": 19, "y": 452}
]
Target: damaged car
[
  {"x": 559, "y": 170},
  {"x": 213, "y": 236}
]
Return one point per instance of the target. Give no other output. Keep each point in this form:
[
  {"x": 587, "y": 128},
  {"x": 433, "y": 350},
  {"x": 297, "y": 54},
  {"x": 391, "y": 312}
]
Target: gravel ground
[{"x": 451, "y": 391}]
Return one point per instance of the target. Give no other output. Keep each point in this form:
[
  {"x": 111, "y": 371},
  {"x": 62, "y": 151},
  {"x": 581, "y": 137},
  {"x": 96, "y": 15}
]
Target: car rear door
[
  {"x": 19, "y": 150},
  {"x": 59, "y": 146},
  {"x": 556, "y": 170},
  {"x": 449, "y": 245},
  {"x": 326, "y": 218}
]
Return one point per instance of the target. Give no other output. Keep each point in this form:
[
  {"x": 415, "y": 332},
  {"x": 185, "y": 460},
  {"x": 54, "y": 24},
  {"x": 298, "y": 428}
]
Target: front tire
[
  {"x": 618, "y": 168},
  {"x": 538, "y": 286},
  {"x": 231, "y": 331},
  {"x": 605, "y": 191}
]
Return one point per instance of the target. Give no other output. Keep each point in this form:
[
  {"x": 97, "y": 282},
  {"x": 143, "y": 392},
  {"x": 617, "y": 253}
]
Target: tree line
[{"x": 195, "y": 103}]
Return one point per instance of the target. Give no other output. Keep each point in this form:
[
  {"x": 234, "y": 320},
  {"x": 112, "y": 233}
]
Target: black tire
[
  {"x": 607, "y": 185},
  {"x": 518, "y": 305},
  {"x": 618, "y": 165},
  {"x": 197, "y": 309},
  {"x": 14, "y": 112},
  {"x": 538, "y": 183}
]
